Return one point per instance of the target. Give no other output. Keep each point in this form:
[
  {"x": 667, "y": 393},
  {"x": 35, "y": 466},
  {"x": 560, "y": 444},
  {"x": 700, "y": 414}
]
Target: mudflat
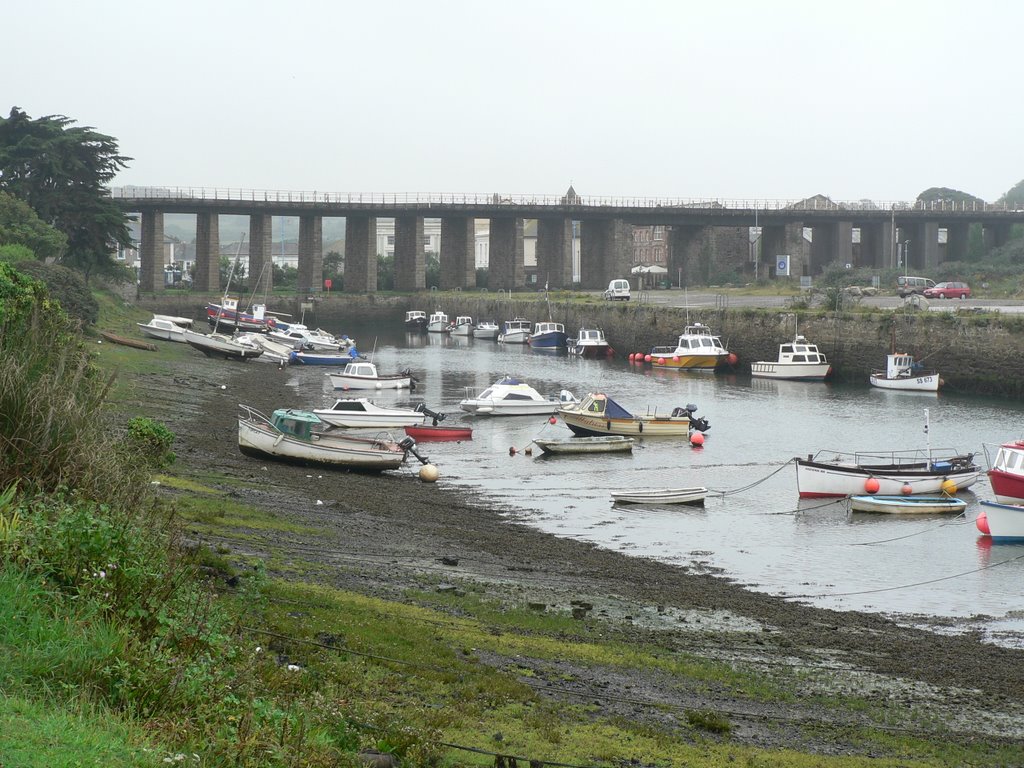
[{"x": 381, "y": 534}]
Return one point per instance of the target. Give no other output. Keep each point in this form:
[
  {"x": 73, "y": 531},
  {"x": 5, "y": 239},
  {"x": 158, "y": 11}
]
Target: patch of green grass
[
  {"x": 218, "y": 513},
  {"x": 39, "y": 735}
]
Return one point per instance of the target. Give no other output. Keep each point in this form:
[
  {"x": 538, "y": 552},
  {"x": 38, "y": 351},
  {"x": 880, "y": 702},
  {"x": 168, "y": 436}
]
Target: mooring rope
[{"x": 750, "y": 485}]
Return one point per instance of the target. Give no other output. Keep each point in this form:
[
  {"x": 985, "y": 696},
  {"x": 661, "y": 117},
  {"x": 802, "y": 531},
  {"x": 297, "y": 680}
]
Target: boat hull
[
  {"x": 552, "y": 340},
  {"x": 514, "y": 337},
  {"x": 1007, "y": 486},
  {"x": 902, "y": 505},
  {"x": 341, "y": 381},
  {"x": 163, "y": 331},
  {"x": 929, "y": 383},
  {"x": 375, "y": 417},
  {"x": 662, "y": 496},
  {"x": 817, "y": 479},
  {"x": 790, "y": 371},
  {"x": 319, "y": 358},
  {"x": 1001, "y": 521},
  {"x": 509, "y": 408},
  {"x": 688, "y": 362},
  {"x": 429, "y": 432},
  {"x": 648, "y": 426},
  {"x": 489, "y": 332},
  {"x": 221, "y": 346},
  {"x": 577, "y": 445},
  {"x": 261, "y": 441},
  {"x": 591, "y": 350}
]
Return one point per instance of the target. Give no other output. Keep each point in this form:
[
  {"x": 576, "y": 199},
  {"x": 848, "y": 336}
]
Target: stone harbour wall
[{"x": 974, "y": 353}]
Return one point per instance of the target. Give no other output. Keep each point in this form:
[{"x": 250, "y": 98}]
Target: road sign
[{"x": 782, "y": 266}]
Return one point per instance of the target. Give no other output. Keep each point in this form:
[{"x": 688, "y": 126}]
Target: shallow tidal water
[{"x": 927, "y": 569}]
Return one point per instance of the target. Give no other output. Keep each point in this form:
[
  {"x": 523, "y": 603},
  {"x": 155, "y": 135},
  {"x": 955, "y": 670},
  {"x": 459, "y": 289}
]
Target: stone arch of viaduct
[{"x": 698, "y": 234}]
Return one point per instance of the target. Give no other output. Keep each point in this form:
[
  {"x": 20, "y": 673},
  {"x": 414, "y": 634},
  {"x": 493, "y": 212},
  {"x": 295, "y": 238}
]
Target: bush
[{"x": 66, "y": 286}]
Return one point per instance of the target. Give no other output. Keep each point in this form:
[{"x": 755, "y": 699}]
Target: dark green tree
[
  {"x": 947, "y": 195},
  {"x": 19, "y": 225},
  {"x": 62, "y": 171},
  {"x": 1015, "y": 195}
]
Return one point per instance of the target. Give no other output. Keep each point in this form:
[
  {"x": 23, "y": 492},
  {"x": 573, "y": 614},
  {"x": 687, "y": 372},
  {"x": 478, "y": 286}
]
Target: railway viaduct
[{"x": 696, "y": 230}]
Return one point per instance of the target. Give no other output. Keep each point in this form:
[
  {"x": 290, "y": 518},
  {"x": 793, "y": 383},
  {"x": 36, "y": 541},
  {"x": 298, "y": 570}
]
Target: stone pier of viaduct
[{"x": 700, "y": 235}]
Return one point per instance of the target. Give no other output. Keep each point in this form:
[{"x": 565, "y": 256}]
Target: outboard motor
[
  {"x": 408, "y": 444},
  {"x": 412, "y": 379},
  {"x": 422, "y": 408},
  {"x": 697, "y": 422}
]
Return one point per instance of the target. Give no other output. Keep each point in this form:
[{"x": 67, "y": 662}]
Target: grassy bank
[{"x": 151, "y": 617}]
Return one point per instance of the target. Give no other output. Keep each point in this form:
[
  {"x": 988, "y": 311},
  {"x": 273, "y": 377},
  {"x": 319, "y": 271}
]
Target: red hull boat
[{"x": 427, "y": 432}]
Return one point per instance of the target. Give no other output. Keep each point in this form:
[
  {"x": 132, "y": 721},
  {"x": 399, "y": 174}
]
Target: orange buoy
[
  {"x": 512, "y": 451},
  {"x": 906, "y": 490},
  {"x": 660, "y": 361},
  {"x": 697, "y": 439},
  {"x": 675, "y": 358},
  {"x": 647, "y": 358},
  {"x": 871, "y": 485},
  {"x": 733, "y": 359},
  {"x": 982, "y": 523},
  {"x": 552, "y": 420}
]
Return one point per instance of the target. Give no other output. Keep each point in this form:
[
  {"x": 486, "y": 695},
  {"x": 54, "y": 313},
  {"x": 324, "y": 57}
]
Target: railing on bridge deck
[{"x": 406, "y": 199}]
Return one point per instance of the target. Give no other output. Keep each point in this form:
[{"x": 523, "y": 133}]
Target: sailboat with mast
[{"x": 221, "y": 344}]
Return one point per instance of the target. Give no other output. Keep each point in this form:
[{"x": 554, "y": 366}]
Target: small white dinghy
[
  {"x": 662, "y": 496},
  {"x": 603, "y": 444},
  {"x": 901, "y": 505}
]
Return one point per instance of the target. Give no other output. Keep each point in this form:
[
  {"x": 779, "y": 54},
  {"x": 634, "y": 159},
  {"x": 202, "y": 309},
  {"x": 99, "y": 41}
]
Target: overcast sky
[{"x": 741, "y": 100}]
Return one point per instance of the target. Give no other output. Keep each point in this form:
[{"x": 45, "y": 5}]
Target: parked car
[
  {"x": 908, "y": 284},
  {"x": 617, "y": 290},
  {"x": 948, "y": 291}
]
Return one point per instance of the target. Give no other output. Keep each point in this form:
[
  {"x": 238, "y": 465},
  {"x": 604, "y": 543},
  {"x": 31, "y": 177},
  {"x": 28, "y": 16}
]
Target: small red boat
[{"x": 436, "y": 432}]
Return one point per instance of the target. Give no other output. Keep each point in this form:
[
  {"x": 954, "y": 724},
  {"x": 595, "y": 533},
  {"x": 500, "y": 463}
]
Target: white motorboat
[
  {"x": 695, "y": 349},
  {"x": 1001, "y": 521},
  {"x": 602, "y": 444},
  {"x": 438, "y": 322},
  {"x": 902, "y": 372},
  {"x": 298, "y": 437},
  {"x": 222, "y": 345},
  {"x": 1006, "y": 472},
  {"x": 798, "y": 360},
  {"x": 463, "y": 326},
  {"x": 590, "y": 342},
  {"x": 363, "y": 375},
  {"x": 695, "y": 495},
  {"x": 354, "y": 412},
  {"x": 514, "y": 331},
  {"x": 275, "y": 351},
  {"x": 902, "y": 505},
  {"x": 415, "y": 320},
  {"x": 486, "y": 329},
  {"x": 164, "y": 329},
  {"x": 548, "y": 335},
  {"x": 310, "y": 338},
  {"x": 510, "y": 396}
]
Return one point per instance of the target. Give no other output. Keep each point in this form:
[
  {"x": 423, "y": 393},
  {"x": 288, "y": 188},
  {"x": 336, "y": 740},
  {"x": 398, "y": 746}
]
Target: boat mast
[
  {"x": 927, "y": 439},
  {"x": 227, "y": 287}
]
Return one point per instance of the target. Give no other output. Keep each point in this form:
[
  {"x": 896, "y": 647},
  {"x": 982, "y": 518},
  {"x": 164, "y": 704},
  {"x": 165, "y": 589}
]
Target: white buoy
[{"x": 428, "y": 473}]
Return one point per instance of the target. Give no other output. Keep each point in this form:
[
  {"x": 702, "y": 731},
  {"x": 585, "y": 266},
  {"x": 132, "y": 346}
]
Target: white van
[{"x": 617, "y": 289}]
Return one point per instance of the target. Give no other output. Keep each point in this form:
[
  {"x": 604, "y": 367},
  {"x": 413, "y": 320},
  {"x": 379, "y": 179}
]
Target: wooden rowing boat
[{"x": 113, "y": 338}]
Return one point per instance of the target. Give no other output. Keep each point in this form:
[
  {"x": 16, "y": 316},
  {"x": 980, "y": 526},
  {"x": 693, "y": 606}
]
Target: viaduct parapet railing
[{"x": 404, "y": 201}]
